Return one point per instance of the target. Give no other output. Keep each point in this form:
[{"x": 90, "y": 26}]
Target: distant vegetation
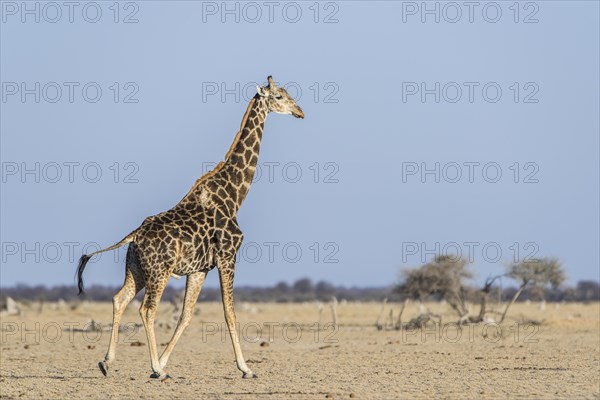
[
  {"x": 306, "y": 290},
  {"x": 449, "y": 278}
]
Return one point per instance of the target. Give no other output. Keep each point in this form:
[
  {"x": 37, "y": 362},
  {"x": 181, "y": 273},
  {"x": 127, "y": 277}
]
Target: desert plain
[{"x": 52, "y": 351}]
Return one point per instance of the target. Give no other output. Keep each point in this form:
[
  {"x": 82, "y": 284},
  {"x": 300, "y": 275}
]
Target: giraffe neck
[
  {"x": 230, "y": 180},
  {"x": 242, "y": 157}
]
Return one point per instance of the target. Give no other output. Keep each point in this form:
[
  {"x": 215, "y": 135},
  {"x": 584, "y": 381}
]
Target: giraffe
[{"x": 201, "y": 232}]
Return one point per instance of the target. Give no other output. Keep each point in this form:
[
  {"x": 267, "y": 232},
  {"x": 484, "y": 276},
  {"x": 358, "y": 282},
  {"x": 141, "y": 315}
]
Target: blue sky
[{"x": 476, "y": 134}]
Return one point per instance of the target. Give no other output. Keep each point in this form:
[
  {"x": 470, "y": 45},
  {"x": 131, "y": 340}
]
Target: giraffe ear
[{"x": 262, "y": 92}]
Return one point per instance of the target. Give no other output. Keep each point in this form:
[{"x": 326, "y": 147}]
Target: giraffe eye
[{"x": 279, "y": 97}]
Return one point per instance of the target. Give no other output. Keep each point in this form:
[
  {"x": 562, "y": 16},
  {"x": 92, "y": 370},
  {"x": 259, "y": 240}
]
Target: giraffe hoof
[
  {"x": 161, "y": 376},
  {"x": 248, "y": 376},
  {"x": 103, "y": 367}
]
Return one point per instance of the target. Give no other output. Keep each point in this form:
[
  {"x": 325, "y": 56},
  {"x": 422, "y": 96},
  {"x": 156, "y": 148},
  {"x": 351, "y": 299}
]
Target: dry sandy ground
[{"x": 55, "y": 359}]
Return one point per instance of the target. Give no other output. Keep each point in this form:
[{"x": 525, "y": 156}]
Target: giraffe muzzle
[{"x": 298, "y": 113}]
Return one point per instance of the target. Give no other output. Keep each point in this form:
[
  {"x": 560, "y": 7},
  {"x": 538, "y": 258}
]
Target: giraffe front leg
[
  {"x": 193, "y": 286},
  {"x": 226, "y": 273}
]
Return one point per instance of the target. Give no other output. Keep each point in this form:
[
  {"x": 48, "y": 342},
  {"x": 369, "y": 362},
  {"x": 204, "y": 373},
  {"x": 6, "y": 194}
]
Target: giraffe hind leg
[{"x": 134, "y": 282}]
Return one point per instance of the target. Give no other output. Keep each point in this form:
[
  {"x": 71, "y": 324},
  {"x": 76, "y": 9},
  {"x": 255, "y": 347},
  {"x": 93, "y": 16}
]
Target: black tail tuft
[{"x": 82, "y": 261}]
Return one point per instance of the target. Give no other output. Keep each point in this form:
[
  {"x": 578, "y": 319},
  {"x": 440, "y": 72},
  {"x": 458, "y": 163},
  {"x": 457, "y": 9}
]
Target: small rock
[
  {"x": 91, "y": 347},
  {"x": 352, "y": 395},
  {"x": 137, "y": 343},
  {"x": 264, "y": 344}
]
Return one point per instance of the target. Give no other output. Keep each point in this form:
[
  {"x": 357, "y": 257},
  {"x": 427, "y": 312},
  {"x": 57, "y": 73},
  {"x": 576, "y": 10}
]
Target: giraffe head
[{"x": 278, "y": 99}]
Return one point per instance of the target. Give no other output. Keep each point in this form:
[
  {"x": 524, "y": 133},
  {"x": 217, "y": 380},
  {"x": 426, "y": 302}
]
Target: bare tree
[
  {"x": 443, "y": 277},
  {"x": 537, "y": 274}
]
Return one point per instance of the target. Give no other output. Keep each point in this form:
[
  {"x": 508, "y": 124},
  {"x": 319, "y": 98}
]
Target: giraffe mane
[{"x": 220, "y": 165}]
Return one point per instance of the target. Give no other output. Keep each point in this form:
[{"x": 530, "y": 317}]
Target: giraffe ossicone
[{"x": 201, "y": 232}]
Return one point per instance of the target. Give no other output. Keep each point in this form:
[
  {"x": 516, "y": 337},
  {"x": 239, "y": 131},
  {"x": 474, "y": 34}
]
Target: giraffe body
[{"x": 201, "y": 232}]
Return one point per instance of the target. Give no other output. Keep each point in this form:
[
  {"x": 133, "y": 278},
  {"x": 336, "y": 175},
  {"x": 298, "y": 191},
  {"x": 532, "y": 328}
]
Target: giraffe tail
[{"x": 86, "y": 257}]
